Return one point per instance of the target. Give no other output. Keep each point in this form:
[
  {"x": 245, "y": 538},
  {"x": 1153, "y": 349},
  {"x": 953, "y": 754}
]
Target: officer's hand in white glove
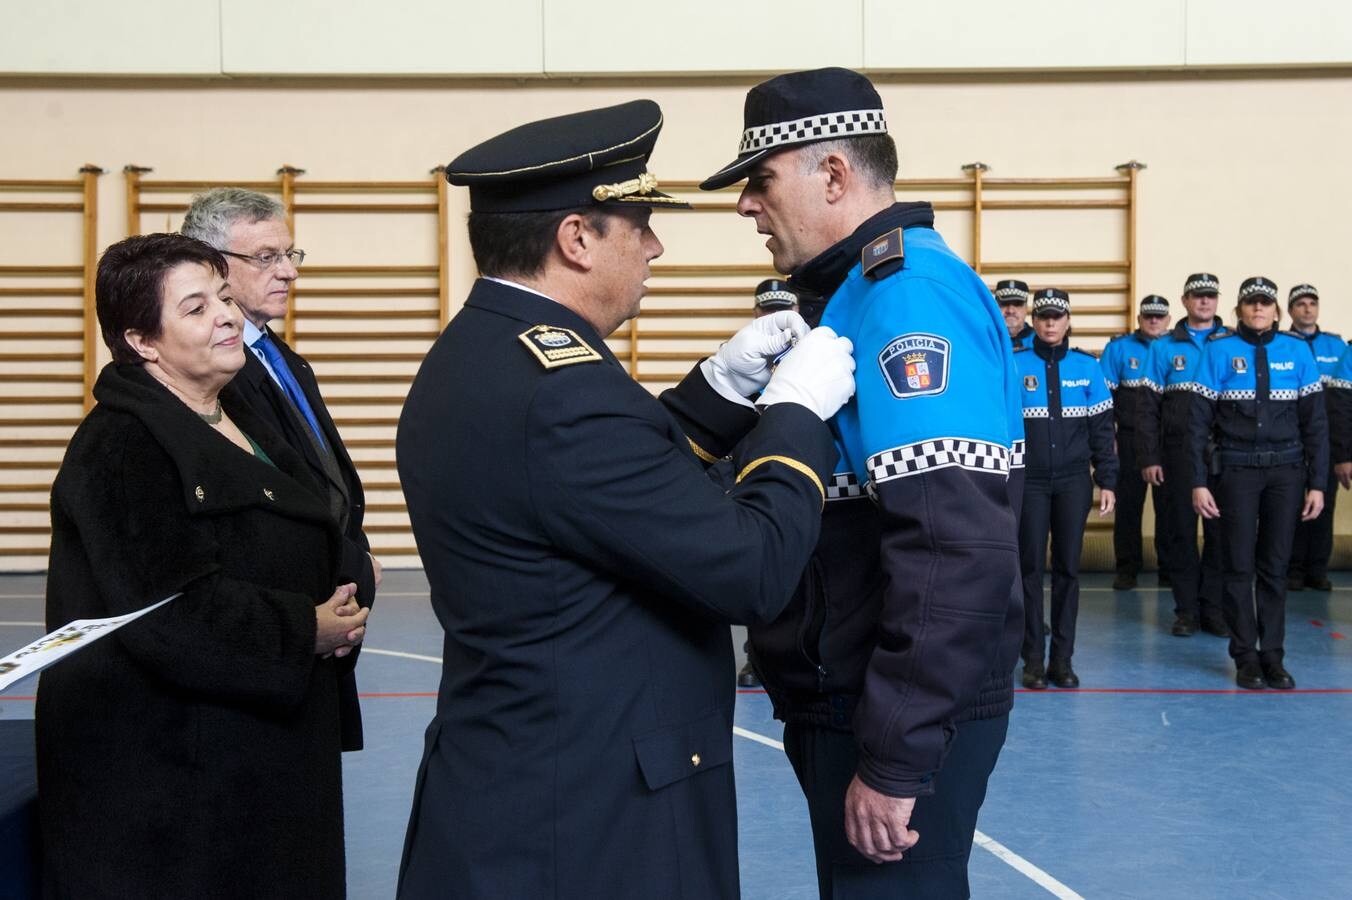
[
  {"x": 741, "y": 367},
  {"x": 818, "y": 373}
]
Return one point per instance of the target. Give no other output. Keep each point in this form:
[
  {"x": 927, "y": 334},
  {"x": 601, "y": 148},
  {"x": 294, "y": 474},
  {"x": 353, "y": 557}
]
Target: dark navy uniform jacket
[
  {"x": 908, "y": 621},
  {"x": 1067, "y": 413},
  {"x": 1257, "y": 396},
  {"x": 1164, "y": 410},
  {"x": 1124, "y": 363},
  {"x": 585, "y": 569}
]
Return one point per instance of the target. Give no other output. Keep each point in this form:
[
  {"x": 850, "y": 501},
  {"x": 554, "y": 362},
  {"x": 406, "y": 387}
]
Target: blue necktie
[{"x": 289, "y": 384}]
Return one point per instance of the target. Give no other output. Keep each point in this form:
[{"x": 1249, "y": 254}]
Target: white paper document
[{"x": 64, "y": 641}]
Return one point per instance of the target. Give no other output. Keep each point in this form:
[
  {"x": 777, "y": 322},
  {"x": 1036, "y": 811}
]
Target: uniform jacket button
[
  {"x": 694, "y": 759},
  {"x": 199, "y": 493}
]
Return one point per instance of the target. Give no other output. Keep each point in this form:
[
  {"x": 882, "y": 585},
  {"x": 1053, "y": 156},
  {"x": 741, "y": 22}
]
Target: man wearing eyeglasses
[{"x": 250, "y": 229}]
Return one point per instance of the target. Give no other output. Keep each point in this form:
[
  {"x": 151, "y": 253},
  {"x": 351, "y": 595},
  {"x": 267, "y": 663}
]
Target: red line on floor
[
  {"x": 1336, "y": 636},
  {"x": 1316, "y": 623},
  {"x": 1236, "y": 691},
  {"x": 4, "y": 697}
]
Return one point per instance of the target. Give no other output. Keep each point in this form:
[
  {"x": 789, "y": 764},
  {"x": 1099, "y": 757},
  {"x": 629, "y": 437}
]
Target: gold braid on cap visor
[{"x": 645, "y": 183}]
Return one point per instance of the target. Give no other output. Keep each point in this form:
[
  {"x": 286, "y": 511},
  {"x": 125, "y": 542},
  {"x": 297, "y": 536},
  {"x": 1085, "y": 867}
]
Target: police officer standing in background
[
  {"x": 892, "y": 665},
  {"x": 1256, "y": 395},
  {"x": 1068, "y": 423},
  {"x": 581, "y": 561},
  {"x": 1123, "y": 363},
  {"x": 1012, "y": 295},
  {"x": 1162, "y": 453},
  {"x": 1314, "y": 540}
]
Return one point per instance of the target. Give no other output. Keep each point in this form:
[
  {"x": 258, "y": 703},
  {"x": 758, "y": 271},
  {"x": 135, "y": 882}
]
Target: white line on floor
[
  {"x": 1001, "y": 852},
  {"x": 22, "y": 596},
  {"x": 34, "y": 624},
  {"x": 402, "y": 655}
]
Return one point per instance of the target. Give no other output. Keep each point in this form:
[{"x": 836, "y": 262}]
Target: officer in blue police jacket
[
  {"x": 1162, "y": 454},
  {"x": 582, "y": 743},
  {"x": 1068, "y": 423},
  {"x": 892, "y": 665},
  {"x": 1256, "y": 395},
  {"x": 1339, "y": 390},
  {"x": 1123, "y": 363},
  {"x": 1012, "y": 295},
  {"x": 1314, "y": 540}
]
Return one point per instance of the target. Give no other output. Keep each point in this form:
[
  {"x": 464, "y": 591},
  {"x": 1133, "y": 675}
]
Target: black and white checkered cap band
[
  {"x": 1154, "y": 309},
  {"x": 1044, "y": 302},
  {"x": 822, "y": 127},
  {"x": 767, "y": 298},
  {"x": 1011, "y": 293},
  {"x": 844, "y": 486},
  {"x": 1260, "y": 288},
  {"x": 1303, "y": 290},
  {"x": 1202, "y": 284},
  {"x": 939, "y": 453}
]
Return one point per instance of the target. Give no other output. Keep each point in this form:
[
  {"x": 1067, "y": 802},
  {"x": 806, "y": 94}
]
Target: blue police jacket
[
  {"x": 1327, "y": 348},
  {"x": 1339, "y": 389},
  {"x": 1025, "y": 336},
  {"x": 1067, "y": 413},
  {"x": 1123, "y": 363},
  {"x": 1166, "y": 405},
  {"x": 908, "y": 619},
  {"x": 1257, "y": 396}
]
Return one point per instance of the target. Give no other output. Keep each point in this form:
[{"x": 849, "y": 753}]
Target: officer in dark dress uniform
[
  {"x": 582, "y": 563},
  {"x": 1256, "y": 395},
  {"x": 1123, "y": 363},
  {"x": 1162, "y": 453},
  {"x": 1313, "y": 544},
  {"x": 1068, "y": 424},
  {"x": 1012, "y": 295}
]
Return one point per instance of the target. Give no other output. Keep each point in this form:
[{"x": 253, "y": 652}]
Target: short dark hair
[
  {"x": 129, "y": 282},
  {"x": 874, "y": 155},
  {"x": 518, "y": 243}
]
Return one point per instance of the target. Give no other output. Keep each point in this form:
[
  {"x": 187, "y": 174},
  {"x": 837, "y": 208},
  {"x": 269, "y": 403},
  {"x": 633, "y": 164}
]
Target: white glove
[
  {"x": 818, "y": 373},
  {"x": 741, "y": 367}
]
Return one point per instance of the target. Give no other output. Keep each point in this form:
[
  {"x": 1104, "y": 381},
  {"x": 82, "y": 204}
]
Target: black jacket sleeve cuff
[{"x": 712, "y": 424}]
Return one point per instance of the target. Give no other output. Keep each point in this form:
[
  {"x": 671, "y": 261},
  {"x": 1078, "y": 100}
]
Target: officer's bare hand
[
  {"x": 1204, "y": 504},
  {"x": 818, "y": 373},
  {"x": 339, "y": 622},
  {"x": 741, "y": 367},
  {"x": 1107, "y": 500},
  {"x": 1344, "y": 472},
  {"x": 876, "y": 824},
  {"x": 1153, "y": 475},
  {"x": 1314, "y": 505}
]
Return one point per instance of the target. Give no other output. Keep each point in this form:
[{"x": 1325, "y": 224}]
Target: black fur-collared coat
[{"x": 196, "y": 751}]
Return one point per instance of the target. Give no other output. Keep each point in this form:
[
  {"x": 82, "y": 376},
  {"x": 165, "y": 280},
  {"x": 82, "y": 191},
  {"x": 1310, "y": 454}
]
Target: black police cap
[
  {"x": 775, "y": 294},
  {"x": 1154, "y": 305},
  {"x": 1011, "y": 291},
  {"x": 1256, "y": 287},
  {"x": 1302, "y": 290},
  {"x": 1202, "y": 283},
  {"x": 596, "y": 157},
  {"x": 801, "y": 108},
  {"x": 1049, "y": 301}
]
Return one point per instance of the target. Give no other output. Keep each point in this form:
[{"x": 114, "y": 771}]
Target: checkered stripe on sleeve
[
  {"x": 1191, "y": 386},
  {"x": 1235, "y": 394},
  {"x": 1341, "y": 383},
  {"x": 843, "y": 486},
  {"x": 1035, "y": 412},
  {"x": 811, "y": 128},
  {"x": 1139, "y": 383},
  {"x": 1016, "y": 455},
  {"x": 939, "y": 453},
  {"x": 1309, "y": 389}
]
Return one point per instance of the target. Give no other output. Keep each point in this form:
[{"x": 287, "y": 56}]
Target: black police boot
[
  {"x": 1275, "y": 676},
  {"x": 747, "y": 677},
  {"x": 1125, "y": 581},
  {"x": 1061, "y": 674},
  {"x": 1184, "y": 626},
  {"x": 1034, "y": 677},
  {"x": 1249, "y": 675},
  {"x": 1295, "y": 582},
  {"x": 1318, "y": 582},
  {"x": 1214, "y": 623}
]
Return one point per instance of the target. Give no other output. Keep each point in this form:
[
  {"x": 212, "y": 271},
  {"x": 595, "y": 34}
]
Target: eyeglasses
[{"x": 268, "y": 260}]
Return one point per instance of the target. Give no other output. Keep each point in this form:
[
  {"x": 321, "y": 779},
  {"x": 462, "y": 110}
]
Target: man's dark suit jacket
[{"x": 256, "y": 387}]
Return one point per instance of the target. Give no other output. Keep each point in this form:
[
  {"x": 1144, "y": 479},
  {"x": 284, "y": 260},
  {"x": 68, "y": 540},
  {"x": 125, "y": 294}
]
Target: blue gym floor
[{"x": 1157, "y": 778}]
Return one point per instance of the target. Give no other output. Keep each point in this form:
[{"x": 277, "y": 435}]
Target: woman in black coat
[{"x": 196, "y": 751}]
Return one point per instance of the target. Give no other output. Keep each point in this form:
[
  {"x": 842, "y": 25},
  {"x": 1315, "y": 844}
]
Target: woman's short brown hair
[{"x": 129, "y": 282}]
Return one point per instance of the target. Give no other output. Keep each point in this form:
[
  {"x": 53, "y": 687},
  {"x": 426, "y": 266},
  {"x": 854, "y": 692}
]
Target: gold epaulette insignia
[
  {"x": 888, "y": 248},
  {"x": 554, "y": 346}
]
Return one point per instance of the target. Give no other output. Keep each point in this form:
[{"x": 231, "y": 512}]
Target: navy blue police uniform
[
  {"x": 1162, "y": 440},
  {"x": 1257, "y": 397},
  {"x": 892, "y": 662},
  {"x": 1123, "y": 363},
  {"x": 1313, "y": 544},
  {"x": 581, "y": 746},
  {"x": 1068, "y": 425}
]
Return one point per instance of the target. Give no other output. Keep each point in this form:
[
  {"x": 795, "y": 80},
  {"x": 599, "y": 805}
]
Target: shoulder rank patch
[
  {"x": 1084, "y": 352},
  {"x": 891, "y": 247},
  {"x": 1218, "y": 334},
  {"x": 554, "y": 346},
  {"x": 915, "y": 365}
]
